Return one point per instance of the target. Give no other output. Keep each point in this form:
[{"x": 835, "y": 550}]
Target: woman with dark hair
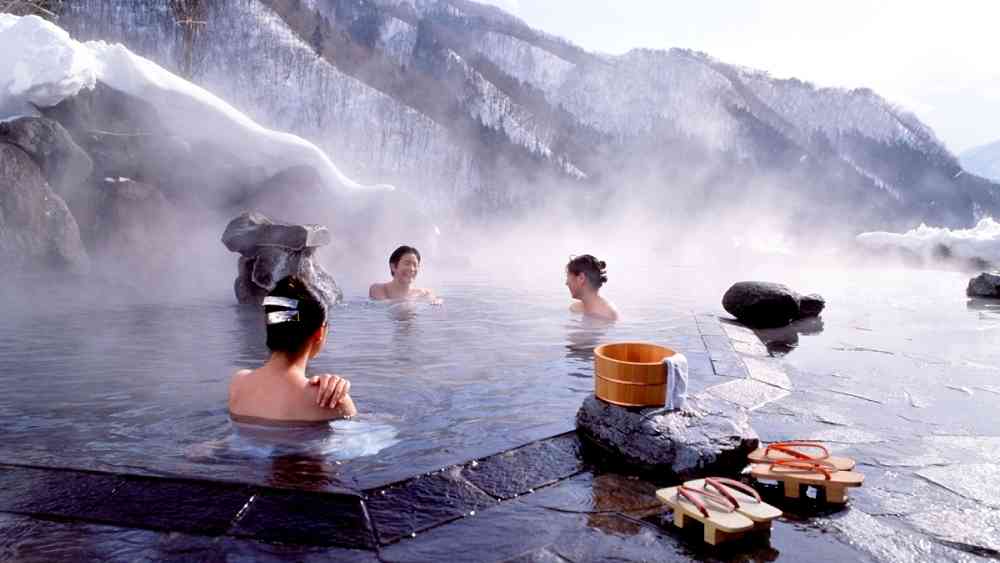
[
  {"x": 280, "y": 389},
  {"x": 584, "y": 277},
  {"x": 404, "y": 265}
]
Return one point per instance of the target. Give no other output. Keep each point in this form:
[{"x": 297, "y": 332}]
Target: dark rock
[
  {"x": 811, "y": 305},
  {"x": 769, "y": 305},
  {"x": 155, "y": 159},
  {"x": 761, "y": 304},
  {"x": 270, "y": 251},
  {"x": 297, "y": 194},
  {"x": 707, "y": 436},
  {"x": 984, "y": 285},
  {"x": 252, "y": 230},
  {"x": 104, "y": 108},
  {"x": 64, "y": 164},
  {"x": 37, "y": 230},
  {"x": 136, "y": 228}
]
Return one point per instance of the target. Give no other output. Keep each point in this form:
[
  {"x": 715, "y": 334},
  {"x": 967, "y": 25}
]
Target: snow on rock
[
  {"x": 46, "y": 66},
  {"x": 40, "y": 64},
  {"x": 981, "y": 241}
]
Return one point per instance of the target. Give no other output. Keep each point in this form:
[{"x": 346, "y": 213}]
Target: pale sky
[{"x": 936, "y": 58}]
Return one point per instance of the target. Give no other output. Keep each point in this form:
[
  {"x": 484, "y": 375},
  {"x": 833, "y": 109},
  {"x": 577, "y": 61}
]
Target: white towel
[{"x": 677, "y": 380}]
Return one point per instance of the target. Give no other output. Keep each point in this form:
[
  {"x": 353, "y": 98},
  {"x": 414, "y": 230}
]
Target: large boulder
[
  {"x": 270, "y": 251},
  {"x": 106, "y": 109},
  {"x": 706, "y": 436},
  {"x": 768, "y": 305},
  {"x": 37, "y": 230},
  {"x": 985, "y": 284},
  {"x": 137, "y": 229},
  {"x": 64, "y": 164}
]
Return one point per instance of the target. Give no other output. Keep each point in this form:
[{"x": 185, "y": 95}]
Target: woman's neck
[
  {"x": 399, "y": 287},
  {"x": 285, "y": 363},
  {"x": 590, "y": 298}
]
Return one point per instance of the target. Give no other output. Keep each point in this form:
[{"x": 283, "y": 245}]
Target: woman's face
[
  {"x": 575, "y": 283},
  {"x": 407, "y": 268}
]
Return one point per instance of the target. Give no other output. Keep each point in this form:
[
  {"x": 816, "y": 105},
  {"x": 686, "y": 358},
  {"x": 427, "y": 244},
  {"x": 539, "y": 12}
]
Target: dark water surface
[{"x": 902, "y": 372}]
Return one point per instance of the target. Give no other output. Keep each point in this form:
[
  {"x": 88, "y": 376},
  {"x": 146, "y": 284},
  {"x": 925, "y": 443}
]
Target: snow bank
[
  {"x": 41, "y": 64},
  {"x": 981, "y": 241}
]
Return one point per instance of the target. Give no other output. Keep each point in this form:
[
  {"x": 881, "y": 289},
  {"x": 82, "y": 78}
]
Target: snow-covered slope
[
  {"x": 468, "y": 107},
  {"x": 44, "y": 65},
  {"x": 983, "y": 160}
]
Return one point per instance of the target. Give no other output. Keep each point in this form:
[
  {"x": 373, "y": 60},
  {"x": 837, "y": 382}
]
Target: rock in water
[
  {"x": 811, "y": 305},
  {"x": 761, "y": 304},
  {"x": 707, "y": 436},
  {"x": 270, "y": 251},
  {"x": 984, "y": 285}
]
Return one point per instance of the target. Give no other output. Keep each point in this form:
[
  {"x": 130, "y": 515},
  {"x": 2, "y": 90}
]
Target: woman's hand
[{"x": 332, "y": 389}]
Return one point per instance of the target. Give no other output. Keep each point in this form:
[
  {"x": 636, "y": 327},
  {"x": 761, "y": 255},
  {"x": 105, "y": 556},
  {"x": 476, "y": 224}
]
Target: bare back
[{"x": 266, "y": 394}]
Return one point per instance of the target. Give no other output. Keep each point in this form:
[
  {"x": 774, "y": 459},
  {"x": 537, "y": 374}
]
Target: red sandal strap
[
  {"x": 788, "y": 447},
  {"x": 722, "y": 485},
  {"x": 812, "y": 466},
  {"x": 692, "y": 495}
]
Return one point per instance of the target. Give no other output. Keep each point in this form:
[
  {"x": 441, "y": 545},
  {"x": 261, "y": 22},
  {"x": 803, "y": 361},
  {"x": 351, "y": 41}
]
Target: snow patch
[{"x": 981, "y": 241}]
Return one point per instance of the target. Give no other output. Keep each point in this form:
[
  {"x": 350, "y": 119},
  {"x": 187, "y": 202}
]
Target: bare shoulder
[
  {"x": 377, "y": 291},
  {"x": 236, "y": 383},
  {"x": 576, "y": 307},
  {"x": 238, "y": 376}
]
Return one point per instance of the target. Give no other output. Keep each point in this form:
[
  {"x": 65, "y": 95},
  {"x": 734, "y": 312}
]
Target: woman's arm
[
  {"x": 333, "y": 394},
  {"x": 376, "y": 291}
]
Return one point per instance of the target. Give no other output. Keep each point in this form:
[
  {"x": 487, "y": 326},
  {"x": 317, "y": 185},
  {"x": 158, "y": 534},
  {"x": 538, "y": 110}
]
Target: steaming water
[{"x": 905, "y": 375}]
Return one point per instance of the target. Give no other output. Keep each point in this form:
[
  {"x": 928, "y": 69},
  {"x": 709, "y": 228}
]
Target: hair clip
[
  {"x": 278, "y": 317},
  {"x": 280, "y": 302}
]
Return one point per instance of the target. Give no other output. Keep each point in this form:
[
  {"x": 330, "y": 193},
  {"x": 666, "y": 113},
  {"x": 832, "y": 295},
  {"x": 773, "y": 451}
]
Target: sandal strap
[
  {"x": 696, "y": 496},
  {"x": 811, "y": 466},
  {"x": 788, "y": 447},
  {"x": 723, "y": 484}
]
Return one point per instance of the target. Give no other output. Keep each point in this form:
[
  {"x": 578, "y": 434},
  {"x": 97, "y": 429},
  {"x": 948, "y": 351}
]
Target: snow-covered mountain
[
  {"x": 983, "y": 160},
  {"x": 476, "y": 112}
]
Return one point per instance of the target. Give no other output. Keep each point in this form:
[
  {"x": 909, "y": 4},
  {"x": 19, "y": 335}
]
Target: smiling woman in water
[
  {"x": 584, "y": 277},
  {"x": 280, "y": 390},
  {"x": 404, "y": 265}
]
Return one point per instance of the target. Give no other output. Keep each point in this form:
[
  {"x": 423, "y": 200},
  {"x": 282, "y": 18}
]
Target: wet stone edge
[
  {"x": 428, "y": 501},
  {"x": 199, "y": 507}
]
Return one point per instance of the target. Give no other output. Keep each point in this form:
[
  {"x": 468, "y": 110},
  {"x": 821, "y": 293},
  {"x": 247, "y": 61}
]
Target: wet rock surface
[
  {"x": 985, "y": 284},
  {"x": 708, "y": 435},
  {"x": 270, "y": 251},
  {"x": 769, "y": 305},
  {"x": 517, "y": 471},
  {"x": 37, "y": 232},
  {"x": 423, "y": 502}
]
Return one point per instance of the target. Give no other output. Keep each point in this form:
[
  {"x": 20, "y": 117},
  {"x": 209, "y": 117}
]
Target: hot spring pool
[{"x": 902, "y": 372}]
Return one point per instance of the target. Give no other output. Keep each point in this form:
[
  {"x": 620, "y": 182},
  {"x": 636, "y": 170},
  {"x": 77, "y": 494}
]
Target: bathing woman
[
  {"x": 280, "y": 390},
  {"x": 404, "y": 265},
  {"x": 584, "y": 277}
]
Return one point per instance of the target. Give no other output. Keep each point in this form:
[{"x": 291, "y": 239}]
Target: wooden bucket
[{"x": 631, "y": 374}]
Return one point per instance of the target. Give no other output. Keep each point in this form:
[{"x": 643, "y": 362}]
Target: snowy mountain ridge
[{"x": 476, "y": 111}]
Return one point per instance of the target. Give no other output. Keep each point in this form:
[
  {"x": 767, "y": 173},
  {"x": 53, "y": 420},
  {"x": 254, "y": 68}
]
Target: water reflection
[
  {"x": 583, "y": 336},
  {"x": 983, "y": 304},
  {"x": 781, "y": 341}
]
